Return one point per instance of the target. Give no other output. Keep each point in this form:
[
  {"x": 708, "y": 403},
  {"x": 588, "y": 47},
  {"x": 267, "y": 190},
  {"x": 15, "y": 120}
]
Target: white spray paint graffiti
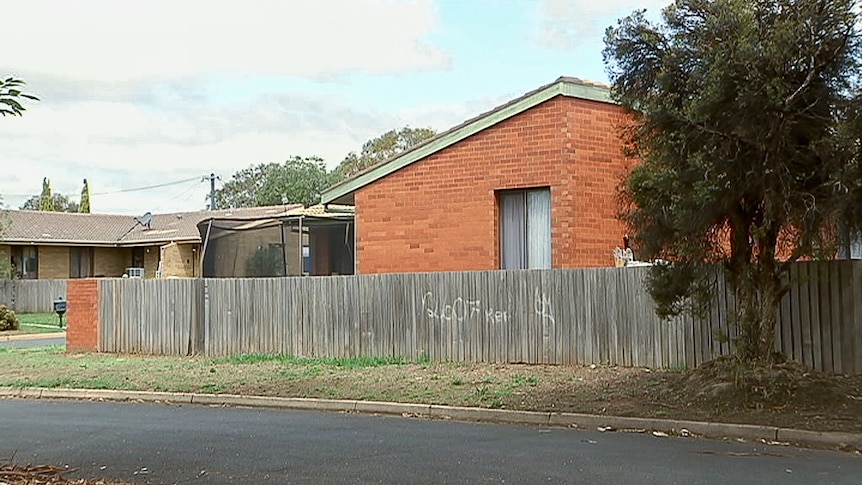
[
  {"x": 543, "y": 306},
  {"x": 461, "y": 310}
]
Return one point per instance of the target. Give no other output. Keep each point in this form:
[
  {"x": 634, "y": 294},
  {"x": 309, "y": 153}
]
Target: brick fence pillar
[{"x": 83, "y": 315}]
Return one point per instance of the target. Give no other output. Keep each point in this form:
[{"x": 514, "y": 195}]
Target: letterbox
[{"x": 60, "y": 308}]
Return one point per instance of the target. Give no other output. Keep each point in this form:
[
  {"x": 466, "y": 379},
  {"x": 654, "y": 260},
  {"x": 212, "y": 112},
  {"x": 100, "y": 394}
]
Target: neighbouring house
[
  {"x": 58, "y": 245},
  {"x": 530, "y": 184},
  {"x": 316, "y": 241}
]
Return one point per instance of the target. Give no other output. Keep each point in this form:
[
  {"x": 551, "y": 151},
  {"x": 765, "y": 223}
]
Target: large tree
[
  {"x": 59, "y": 202},
  {"x": 299, "y": 180},
  {"x": 382, "y": 148},
  {"x": 746, "y": 116}
]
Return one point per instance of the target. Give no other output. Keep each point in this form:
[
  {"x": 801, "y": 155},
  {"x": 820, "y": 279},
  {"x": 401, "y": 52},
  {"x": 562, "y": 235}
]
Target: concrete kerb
[
  {"x": 818, "y": 439},
  {"x": 32, "y": 336},
  {"x": 490, "y": 415},
  {"x": 766, "y": 434}
]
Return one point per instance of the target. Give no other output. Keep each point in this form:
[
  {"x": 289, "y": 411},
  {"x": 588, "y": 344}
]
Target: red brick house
[{"x": 530, "y": 184}]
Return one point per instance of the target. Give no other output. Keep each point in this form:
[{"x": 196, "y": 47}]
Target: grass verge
[
  {"x": 594, "y": 389},
  {"x": 37, "y": 323}
]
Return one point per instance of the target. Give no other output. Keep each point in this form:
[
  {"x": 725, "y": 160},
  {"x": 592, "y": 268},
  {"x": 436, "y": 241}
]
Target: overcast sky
[{"x": 142, "y": 93}]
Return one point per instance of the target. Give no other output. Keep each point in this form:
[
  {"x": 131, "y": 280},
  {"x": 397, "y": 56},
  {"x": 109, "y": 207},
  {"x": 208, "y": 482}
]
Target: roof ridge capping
[
  {"x": 562, "y": 86},
  {"x": 584, "y": 82}
]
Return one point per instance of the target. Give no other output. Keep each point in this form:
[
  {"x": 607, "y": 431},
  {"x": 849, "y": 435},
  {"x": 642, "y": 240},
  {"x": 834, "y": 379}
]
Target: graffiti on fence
[
  {"x": 461, "y": 310},
  {"x": 543, "y": 306}
]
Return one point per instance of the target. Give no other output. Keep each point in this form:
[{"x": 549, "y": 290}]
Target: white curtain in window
[
  {"x": 855, "y": 249},
  {"x": 539, "y": 229},
  {"x": 512, "y": 238},
  {"x": 29, "y": 263}
]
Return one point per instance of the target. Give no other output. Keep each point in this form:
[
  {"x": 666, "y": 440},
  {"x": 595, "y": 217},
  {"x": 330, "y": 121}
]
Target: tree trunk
[{"x": 758, "y": 295}]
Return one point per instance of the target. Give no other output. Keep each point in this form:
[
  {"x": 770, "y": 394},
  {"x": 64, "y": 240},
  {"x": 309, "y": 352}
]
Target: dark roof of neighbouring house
[
  {"x": 342, "y": 193},
  {"x": 64, "y": 228}
]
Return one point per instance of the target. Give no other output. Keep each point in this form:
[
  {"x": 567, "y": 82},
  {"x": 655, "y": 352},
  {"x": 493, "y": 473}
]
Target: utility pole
[{"x": 212, "y": 178}]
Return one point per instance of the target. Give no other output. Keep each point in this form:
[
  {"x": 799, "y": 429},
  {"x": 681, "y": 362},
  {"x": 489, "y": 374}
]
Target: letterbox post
[{"x": 60, "y": 308}]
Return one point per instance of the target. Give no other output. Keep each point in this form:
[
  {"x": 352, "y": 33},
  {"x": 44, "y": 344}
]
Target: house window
[
  {"x": 80, "y": 262},
  {"x": 25, "y": 262},
  {"x": 306, "y": 259},
  {"x": 138, "y": 257},
  {"x": 851, "y": 245},
  {"x": 525, "y": 229}
]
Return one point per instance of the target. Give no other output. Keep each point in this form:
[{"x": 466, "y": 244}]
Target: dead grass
[
  {"x": 15, "y": 474},
  {"x": 785, "y": 395}
]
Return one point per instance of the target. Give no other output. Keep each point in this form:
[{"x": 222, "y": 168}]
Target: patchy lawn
[
  {"x": 37, "y": 323},
  {"x": 797, "y": 398}
]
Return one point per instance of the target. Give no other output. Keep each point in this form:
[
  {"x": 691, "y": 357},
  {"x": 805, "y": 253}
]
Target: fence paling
[
  {"x": 548, "y": 316},
  {"x": 31, "y": 296}
]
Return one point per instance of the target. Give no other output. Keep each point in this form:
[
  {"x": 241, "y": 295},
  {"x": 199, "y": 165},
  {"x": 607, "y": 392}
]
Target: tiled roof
[
  {"x": 21, "y": 226},
  {"x": 332, "y": 210}
]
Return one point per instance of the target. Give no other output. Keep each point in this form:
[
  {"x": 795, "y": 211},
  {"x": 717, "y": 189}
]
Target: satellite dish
[{"x": 145, "y": 220}]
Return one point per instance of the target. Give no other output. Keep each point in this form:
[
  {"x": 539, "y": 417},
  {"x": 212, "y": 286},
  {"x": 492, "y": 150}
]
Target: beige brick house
[{"x": 59, "y": 245}]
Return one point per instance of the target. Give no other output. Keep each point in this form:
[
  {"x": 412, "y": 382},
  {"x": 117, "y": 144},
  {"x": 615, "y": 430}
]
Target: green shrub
[{"x": 8, "y": 319}]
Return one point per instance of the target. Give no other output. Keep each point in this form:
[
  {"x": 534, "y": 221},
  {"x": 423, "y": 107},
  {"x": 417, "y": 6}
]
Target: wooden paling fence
[
  {"x": 532, "y": 316},
  {"x": 30, "y": 296}
]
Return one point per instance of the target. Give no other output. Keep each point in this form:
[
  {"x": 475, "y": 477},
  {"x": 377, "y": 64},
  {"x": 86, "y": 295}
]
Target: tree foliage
[
  {"x": 59, "y": 202},
  {"x": 299, "y": 180},
  {"x": 85, "y": 199},
  {"x": 267, "y": 261},
  {"x": 746, "y": 115},
  {"x": 11, "y": 96},
  {"x": 382, "y": 148},
  {"x": 46, "y": 199},
  {"x": 10, "y": 105}
]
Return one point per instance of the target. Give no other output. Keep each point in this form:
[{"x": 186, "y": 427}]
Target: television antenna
[{"x": 145, "y": 220}]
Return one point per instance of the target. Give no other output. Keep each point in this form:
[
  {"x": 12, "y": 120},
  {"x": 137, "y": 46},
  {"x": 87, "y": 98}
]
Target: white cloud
[
  {"x": 120, "y": 145},
  {"x": 444, "y": 117},
  {"x": 139, "y": 93},
  {"x": 113, "y": 41},
  {"x": 566, "y": 24}
]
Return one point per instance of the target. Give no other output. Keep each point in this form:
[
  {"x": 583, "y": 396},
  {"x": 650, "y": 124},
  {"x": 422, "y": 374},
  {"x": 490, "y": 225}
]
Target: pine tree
[
  {"x": 85, "y": 199},
  {"x": 46, "y": 200}
]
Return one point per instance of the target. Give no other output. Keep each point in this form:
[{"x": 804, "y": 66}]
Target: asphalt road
[
  {"x": 33, "y": 342},
  {"x": 153, "y": 443}
]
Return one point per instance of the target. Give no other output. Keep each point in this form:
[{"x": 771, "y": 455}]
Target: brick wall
[
  {"x": 111, "y": 262},
  {"x": 151, "y": 261},
  {"x": 53, "y": 262},
  {"x": 180, "y": 260},
  {"x": 441, "y": 214},
  {"x": 82, "y": 315}
]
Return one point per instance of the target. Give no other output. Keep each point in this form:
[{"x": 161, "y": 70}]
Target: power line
[
  {"x": 187, "y": 191},
  {"x": 157, "y": 186}
]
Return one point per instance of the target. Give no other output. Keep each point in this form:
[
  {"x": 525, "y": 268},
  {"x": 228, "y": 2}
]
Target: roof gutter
[{"x": 97, "y": 244}]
